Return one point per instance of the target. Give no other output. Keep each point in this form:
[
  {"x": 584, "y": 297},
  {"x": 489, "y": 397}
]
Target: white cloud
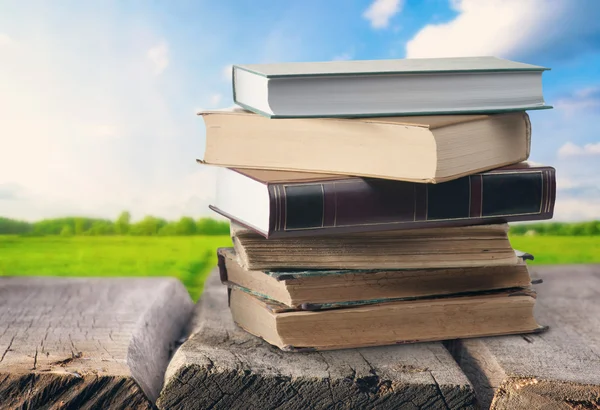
[
  {"x": 576, "y": 209},
  {"x": 226, "y": 72},
  {"x": 90, "y": 130},
  {"x": 6, "y": 41},
  {"x": 578, "y": 187},
  {"x": 577, "y": 184},
  {"x": 587, "y": 92},
  {"x": 215, "y": 99},
  {"x": 380, "y": 12},
  {"x": 104, "y": 131},
  {"x": 159, "y": 56},
  {"x": 563, "y": 183},
  {"x": 10, "y": 191},
  {"x": 584, "y": 99},
  {"x": 510, "y": 29},
  {"x": 491, "y": 27},
  {"x": 190, "y": 195},
  {"x": 342, "y": 57},
  {"x": 570, "y": 149}
]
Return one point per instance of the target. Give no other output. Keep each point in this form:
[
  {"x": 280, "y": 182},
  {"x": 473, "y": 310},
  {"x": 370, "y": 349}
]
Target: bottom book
[{"x": 442, "y": 318}]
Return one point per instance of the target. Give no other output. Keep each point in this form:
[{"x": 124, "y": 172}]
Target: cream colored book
[{"x": 427, "y": 149}]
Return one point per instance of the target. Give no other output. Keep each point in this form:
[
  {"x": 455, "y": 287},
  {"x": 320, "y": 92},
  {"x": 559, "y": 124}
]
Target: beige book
[
  {"x": 448, "y": 247},
  {"x": 386, "y": 323},
  {"x": 315, "y": 289},
  {"x": 419, "y": 148}
]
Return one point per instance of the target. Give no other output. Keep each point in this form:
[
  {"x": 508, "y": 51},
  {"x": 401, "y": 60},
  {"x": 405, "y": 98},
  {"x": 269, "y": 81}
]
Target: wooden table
[
  {"x": 87, "y": 343},
  {"x": 105, "y": 343}
]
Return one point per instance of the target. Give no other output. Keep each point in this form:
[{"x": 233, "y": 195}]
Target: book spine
[{"x": 362, "y": 204}]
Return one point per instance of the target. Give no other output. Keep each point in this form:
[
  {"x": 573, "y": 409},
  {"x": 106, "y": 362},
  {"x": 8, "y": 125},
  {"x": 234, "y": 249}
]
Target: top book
[{"x": 369, "y": 88}]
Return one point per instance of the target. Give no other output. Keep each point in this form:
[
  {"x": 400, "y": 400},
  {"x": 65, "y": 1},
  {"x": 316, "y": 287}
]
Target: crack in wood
[
  {"x": 68, "y": 360},
  {"x": 35, "y": 359},
  {"x": 69, "y": 323},
  {"x": 7, "y": 349},
  {"x": 439, "y": 390}
]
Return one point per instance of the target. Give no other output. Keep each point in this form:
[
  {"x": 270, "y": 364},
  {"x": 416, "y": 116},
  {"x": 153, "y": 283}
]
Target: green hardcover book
[{"x": 372, "y": 88}]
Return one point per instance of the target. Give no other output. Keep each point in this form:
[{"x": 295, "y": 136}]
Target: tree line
[
  {"x": 590, "y": 228},
  {"x": 151, "y": 225},
  {"x": 81, "y": 226}
]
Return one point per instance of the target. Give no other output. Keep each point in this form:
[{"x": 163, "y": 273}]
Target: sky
[{"x": 98, "y": 99}]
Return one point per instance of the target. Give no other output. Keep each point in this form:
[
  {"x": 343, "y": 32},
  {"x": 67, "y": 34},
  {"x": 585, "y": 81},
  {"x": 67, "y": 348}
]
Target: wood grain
[
  {"x": 87, "y": 343},
  {"x": 222, "y": 367},
  {"x": 558, "y": 369}
]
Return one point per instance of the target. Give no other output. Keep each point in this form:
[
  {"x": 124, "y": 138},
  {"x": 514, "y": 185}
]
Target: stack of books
[{"x": 369, "y": 200}]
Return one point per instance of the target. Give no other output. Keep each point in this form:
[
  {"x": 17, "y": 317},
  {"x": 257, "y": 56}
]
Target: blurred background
[{"x": 99, "y": 133}]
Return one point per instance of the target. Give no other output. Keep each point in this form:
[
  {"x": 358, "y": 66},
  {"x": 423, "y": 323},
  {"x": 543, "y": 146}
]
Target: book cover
[
  {"x": 304, "y": 204},
  {"x": 321, "y": 79},
  {"x": 391, "y": 66}
]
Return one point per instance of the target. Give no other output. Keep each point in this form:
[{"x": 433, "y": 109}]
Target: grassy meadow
[
  {"x": 551, "y": 250},
  {"x": 190, "y": 258}
]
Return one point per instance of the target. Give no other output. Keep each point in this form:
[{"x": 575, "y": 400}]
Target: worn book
[
  {"x": 388, "y": 87},
  {"x": 428, "y": 319},
  {"x": 278, "y": 204},
  {"x": 426, "y": 149},
  {"x": 320, "y": 288},
  {"x": 448, "y": 247}
]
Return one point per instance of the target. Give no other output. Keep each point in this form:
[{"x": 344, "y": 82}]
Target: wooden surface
[
  {"x": 223, "y": 367},
  {"x": 87, "y": 343},
  {"x": 93, "y": 343},
  {"x": 559, "y": 369}
]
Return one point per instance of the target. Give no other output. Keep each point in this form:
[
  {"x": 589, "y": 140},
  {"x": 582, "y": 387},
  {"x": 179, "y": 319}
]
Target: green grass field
[
  {"x": 550, "y": 250},
  {"x": 187, "y": 258},
  {"x": 191, "y": 258}
]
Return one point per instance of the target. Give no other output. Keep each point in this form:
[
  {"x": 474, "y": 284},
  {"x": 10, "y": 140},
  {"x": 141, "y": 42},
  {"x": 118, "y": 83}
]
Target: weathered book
[
  {"x": 450, "y": 247},
  {"x": 416, "y": 149},
  {"x": 388, "y": 87},
  {"x": 319, "y": 289},
  {"x": 442, "y": 318},
  {"x": 279, "y": 204}
]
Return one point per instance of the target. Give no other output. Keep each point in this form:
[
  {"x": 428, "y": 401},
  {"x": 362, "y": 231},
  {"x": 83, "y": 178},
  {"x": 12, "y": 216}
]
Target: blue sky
[{"x": 98, "y": 99}]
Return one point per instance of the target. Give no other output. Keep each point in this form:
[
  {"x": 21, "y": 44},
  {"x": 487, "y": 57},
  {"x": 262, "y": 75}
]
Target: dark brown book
[
  {"x": 429, "y": 319},
  {"x": 280, "y": 204},
  {"x": 320, "y": 288}
]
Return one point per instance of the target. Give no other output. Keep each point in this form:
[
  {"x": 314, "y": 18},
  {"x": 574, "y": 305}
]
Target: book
[
  {"x": 426, "y": 149},
  {"x": 428, "y": 319},
  {"x": 447, "y": 247},
  {"x": 319, "y": 289},
  {"x": 279, "y": 204},
  {"x": 388, "y": 87}
]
